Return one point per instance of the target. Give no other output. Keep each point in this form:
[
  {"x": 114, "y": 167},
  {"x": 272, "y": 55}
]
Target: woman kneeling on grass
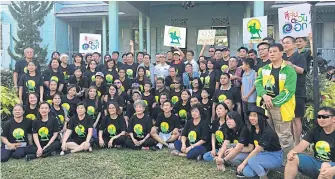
[
  {"x": 16, "y": 133},
  {"x": 139, "y": 127},
  {"x": 194, "y": 136},
  {"x": 80, "y": 129},
  {"x": 218, "y": 131},
  {"x": 235, "y": 147},
  {"x": 266, "y": 153},
  {"x": 166, "y": 129},
  {"x": 45, "y": 133},
  {"x": 112, "y": 132}
]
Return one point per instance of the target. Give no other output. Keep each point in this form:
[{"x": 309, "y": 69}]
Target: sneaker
[
  {"x": 171, "y": 146},
  {"x": 199, "y": 157},
  {"x": 64, "y": 152},
  {"x": 239, "y": 175},
  {"x": 90, "y": 149},
  {"x": 159, "y": 145},
  {"x": 30, "y": 157}
]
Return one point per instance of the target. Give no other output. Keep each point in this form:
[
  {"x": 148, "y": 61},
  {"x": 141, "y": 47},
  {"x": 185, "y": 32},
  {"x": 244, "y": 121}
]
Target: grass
[{"x": 113, "y": 163}]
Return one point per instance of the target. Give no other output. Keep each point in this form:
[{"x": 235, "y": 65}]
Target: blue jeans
[
  {"x": 236, "y": 161},
  {"x": 263, "y": 161},
  {"x": 208, "y": 156},
  {"x": 310, "y": 166},
  {"x": 193, "y": 153}
]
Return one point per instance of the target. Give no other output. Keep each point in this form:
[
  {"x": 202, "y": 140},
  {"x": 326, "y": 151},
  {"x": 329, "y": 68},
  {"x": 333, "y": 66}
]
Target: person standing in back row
[{"x": 298, "y": 62}]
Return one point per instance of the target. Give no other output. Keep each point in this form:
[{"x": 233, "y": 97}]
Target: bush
[
  {"x": 7, "y": 78},
  {"x": 8, "y": 98}
]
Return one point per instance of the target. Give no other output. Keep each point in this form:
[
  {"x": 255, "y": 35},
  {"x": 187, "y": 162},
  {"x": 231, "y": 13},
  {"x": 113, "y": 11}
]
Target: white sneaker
[
  {"x": 61, "y": 153},
  {"x": 159, "y": 145}
]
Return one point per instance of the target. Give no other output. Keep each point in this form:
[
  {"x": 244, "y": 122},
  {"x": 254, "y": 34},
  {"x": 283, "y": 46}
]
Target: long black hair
[
  {"x": 262, "y": 123},
  {"x": 238, "y": 121}
]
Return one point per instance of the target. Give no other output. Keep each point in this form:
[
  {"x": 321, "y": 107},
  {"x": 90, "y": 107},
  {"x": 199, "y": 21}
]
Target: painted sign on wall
[
  {"x": 295, "y": 21},
  {"x": 174, "y": 36},
  {"x": 254, "y": 29},
  {"x": 89, "y": 43},
  {"x": 206, "y": 37}
]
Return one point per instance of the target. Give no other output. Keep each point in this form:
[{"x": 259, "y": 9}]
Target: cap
[
  {"x": 225, "y": 49},
  {"x": 100, "y": 74},
  {"x": 176, "y": 53},
  {"x": 138, "y": 92},
  {"x": 258, "y": 110}
]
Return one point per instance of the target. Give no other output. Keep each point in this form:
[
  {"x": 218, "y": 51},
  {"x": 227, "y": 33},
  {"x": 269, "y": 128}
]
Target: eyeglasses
[
  {"x": 262, "y": 49},
  {"x": 117, "y": 82},
  {"x": 176, "y": 82},
  {"x": 324, "y": 116},
  {"x": 210, "y": 51}
]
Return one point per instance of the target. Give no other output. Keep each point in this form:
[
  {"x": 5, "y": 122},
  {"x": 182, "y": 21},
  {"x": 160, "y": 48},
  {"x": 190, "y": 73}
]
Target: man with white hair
[{"x": 21, "y": 66}]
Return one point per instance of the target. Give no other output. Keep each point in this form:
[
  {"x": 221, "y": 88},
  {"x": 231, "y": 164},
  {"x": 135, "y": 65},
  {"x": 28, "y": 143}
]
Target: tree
[{"x": 29, "y": 15}]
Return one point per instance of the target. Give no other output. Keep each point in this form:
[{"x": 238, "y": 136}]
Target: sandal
[
  {"x": 219, "y": 165},
  {"x": 175, "y": 152}
]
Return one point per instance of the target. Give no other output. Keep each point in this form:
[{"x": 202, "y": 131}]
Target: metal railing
[{"x": 328, "y": 54}]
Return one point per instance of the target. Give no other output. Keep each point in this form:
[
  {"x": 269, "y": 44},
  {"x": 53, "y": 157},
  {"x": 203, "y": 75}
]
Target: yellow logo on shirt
[
  {"x": 174, "y": 99},
  {"x": 182, "y": 114},
  {"x": 219, "y": 136},
  {"x": 130, "y": 73},
  {"x": 66, "y": 106},
  {"x": 148, "y": 73},
  {"x": 18, "y": 134},
  {"x": 31, "y": 116},
  {"x": 111, "y": 130},
  {"x": 224, "y": 67},
  {"x": 90, "y": 110},
  {"x": 54, "y": 78},
  {"x": 255, "y": 143},
  {"x": 138, "y": 129},
  {"x": 61, "y": 118},
  {"x": 80, "y": 130},
  {"x": 43, "y": 132},
  {"x": 31, "y": 85},
  {"x": 235, "y": 141},
  {"x": 164, "y": 127},
  {"x": 93, "y": 78},
  {"x": 221, "y": 98},
  {"x": 322, "y": 149},
  {"x": 192, "y": 137},
  {"x": 109, "y": 78}
]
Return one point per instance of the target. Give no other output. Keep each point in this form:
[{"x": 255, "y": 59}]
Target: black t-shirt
[
  {"x": 175, "y": 96},
  {"x": 260, "y": 64},
  {"x": 45, "y": 130},
  {"x": 50, "y": 75},
  {"x": 221, "y": 95},
  {"x": 100, "y": 67},
  {"x": 126, "y": 84},
  {"x": 149, "y": 100},
  {"x": 167, "y": 125},
  {"x": 208, "y": 106},
  {"x": 131, "y": 70},
  {"x": 90, "y": 76},
  {"x": 110, "y": 76},
  {"x": 268, "y": 139},
  {"x": 141, "y": 83},
  {"x": 72, "y": 68},
  {"x": 300, "y": 61},
  {"x": 241, "y": 136},
  {"x": 80, "y": 127},
  {"x": 324, "y": 144},
  {"x": 194, "y": 133},
  {"x": 182, "y": 111},
  {"x": 159, "y": 92},
  {"x": 156, "y": 111},
  {"x": 16, "y": 132},
  {"x": 272, "y": 85},
  {"x": 180, "y": 68},
  {"x": 197, "y": 93},
  {"x": 209, "y": 79},
  {"x": 70, "y": 105},
  {"x": 308, "y": 56},
  {"x": 31, "y": 113},
  {"x": 80, "y": 84},
  {"x": 30, "y": 84},
  {"x": 21, "y": 68},
  {"x": 93, "y": 107},
  {"x": 219, "y": 131},
  {"x": 60, "y": 115},
  {"x": 102, "y": 89},
  {"x": 116, "y": 99},
  {"x": 222, "y": 65},
  {"x": 67, "y": 71},
  {"x": 112, "y": 127},
  {"x": 139, "y": 127}
]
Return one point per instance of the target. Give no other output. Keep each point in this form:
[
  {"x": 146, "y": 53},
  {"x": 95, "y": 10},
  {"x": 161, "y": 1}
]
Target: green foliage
[
  {"x": 310, "y": 88},
  {"x": 7, "y": 78},
  {"x": 29, "y": 15},
  {"x": 8, "y": 99}
]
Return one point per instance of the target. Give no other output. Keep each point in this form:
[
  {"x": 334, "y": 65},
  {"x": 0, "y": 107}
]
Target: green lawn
[{"x": 113, "y": 163}]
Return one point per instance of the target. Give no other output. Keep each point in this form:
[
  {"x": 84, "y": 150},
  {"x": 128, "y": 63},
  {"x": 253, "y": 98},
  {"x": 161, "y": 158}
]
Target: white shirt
[
  {"x": 162, "y": 70},
  {"x": 194, "y": 65}
]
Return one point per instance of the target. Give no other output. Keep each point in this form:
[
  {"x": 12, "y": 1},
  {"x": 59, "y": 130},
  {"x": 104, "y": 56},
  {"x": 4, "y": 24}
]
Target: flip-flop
[{"x": 220, "y": 166}]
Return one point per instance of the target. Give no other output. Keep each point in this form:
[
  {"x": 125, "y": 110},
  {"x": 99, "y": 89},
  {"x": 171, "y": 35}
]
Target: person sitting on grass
[
  {"x": 130, "y": 110},
  {"x": 266, "y": 151},
  {"x": 218, "y": 131},
  {"x": 112, "y": 132},
  {"x": 139, "y": 127},
  {"x": 194, "y": 136},
  {"x": 322, "y": 165},
  {"x": 59, "y": 112},
  {"x": 235, "y": 147},
  {"x": 45, "y": 133},
  {"x": 80, "y": 130},
  {"x": 16, "y": 135},
  {"x": 166, "y": 129},
  {"x": 159, "y": 108}
]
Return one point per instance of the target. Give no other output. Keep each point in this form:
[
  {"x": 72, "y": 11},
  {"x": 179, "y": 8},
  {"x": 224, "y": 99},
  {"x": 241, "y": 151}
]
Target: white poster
[
  {"x": 89, "y": 43},
  {"x": 174, "y": 36},
  {"x": 254, "y": 29},
  {"x": 295, "y": 21},
  {"x": 206, "y": 37}
]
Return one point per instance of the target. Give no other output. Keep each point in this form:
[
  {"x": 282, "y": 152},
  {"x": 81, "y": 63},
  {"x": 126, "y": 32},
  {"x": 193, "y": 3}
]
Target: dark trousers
[
  {"x": 17, "y": 153},
  {"x": 148, "y": 143},
  {"x": 193, "y": 153},
  {"x": 118, "y": 141},
  {"x": 55, "y": 146}
]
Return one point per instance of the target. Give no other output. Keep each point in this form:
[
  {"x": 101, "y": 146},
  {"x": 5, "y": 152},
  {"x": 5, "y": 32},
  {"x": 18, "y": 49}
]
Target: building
[{"x": 144, "y": 21}]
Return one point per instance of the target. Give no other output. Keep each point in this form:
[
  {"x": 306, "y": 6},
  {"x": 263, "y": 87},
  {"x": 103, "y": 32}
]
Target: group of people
[{"x": 243, "y": 110}]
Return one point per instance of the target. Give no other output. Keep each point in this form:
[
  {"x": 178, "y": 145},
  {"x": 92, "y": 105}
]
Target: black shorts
[{"x": 300, "y": 104}]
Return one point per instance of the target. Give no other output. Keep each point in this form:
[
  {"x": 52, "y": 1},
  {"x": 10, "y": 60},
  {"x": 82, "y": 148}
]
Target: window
[
  {"x": 221, "y": 36},
  {"x": 136, "y": 39}
]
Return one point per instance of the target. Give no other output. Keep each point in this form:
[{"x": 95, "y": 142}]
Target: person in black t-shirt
[
  {"x": 30, "y": 82},
  {"x": 126, "y": 82},
  {"x": 236, "y": 141},
  {"x": 112, "y": 96},
  {"x": 54, "y": 74},
  {"x": 301, "y": 43},
  {"x": 195, "y": 136},
  {"x": 78, "y": 137},
  {"x": 80, "y": 81},
  {"x": 45, "y": 133},
  {"x": 59, "y": 112},
  {"x": 78, "y": 62},
  {"x": 31, "y": 107},
  {"x": 110, "y": 72},
  {"x": 70, "y": 101},
  {"x": 166, "y": 129},
  {"x": 15, "y": 135},
  {"x": 196, "y": 87},
  {"x": 159, "y": 107},
  {"x": 263, "y": 49},
  {"x": 139, "y": 128},
  {"x": 91, "y": 71},
  {"x": 218, "y": 133},
  {"x": 182, "y": 107},
  {"x": 99, "y": 83},
  {"x": 206, "y": 102},
  {"x": 65, "y": 68},
  {"x": 148, "y": 98},
  {"x": 266, "y": 152},
  {"x": 130, "y": 66},
  {"x": 93, "y": 105},
  {"x": 112, "y": 131},
  {"x": 322, "y": 165},
  {"x": 52, "y": 91},
  {"x": 175, "y": 91}
]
